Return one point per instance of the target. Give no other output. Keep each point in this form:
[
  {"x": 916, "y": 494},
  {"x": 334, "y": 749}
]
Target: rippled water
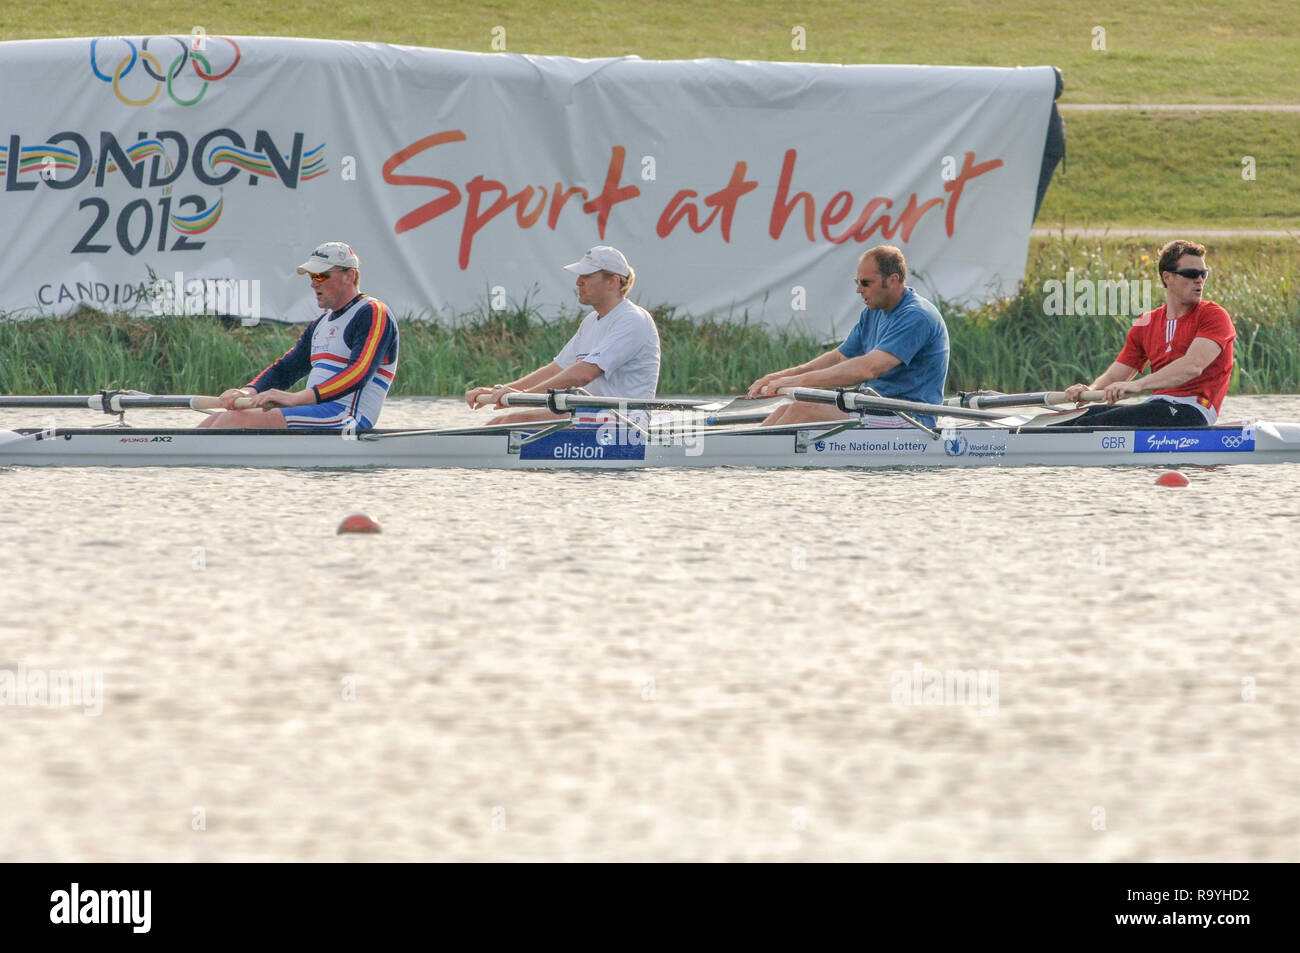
[{"x": 653, "y": 665}]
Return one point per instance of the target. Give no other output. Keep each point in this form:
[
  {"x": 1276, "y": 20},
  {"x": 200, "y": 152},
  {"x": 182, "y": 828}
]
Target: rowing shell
[{"x": 618, "y": 447}]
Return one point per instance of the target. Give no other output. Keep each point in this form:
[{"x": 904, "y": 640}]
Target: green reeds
[
  {"x": 89, "y": 350},
  {"x": 1011, "y": 344},
  {"x": 1026, "y": 342}
]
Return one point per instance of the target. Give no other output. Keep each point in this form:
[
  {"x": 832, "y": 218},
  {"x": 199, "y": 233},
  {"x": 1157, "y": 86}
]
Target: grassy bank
[
  {"x": 1012, "y": 344},
  {"x": 1109, "y": 50},
  {"x": 1142, "y": 169}
]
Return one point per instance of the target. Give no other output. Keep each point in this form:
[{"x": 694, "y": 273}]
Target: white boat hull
[{"x": 586, "y": 448}]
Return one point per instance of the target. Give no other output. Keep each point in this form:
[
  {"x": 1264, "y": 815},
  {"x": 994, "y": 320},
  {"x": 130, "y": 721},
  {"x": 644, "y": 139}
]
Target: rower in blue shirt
[{"x": 899, "y": 347}]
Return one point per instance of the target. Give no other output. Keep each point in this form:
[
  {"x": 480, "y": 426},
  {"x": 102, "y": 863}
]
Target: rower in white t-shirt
[{"x": 615, "y": 352}]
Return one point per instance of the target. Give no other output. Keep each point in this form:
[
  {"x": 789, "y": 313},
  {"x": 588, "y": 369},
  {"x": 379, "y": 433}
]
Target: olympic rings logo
[
  {"x": 150, "y": 65},
  {"x": 1233, "y": 441}
]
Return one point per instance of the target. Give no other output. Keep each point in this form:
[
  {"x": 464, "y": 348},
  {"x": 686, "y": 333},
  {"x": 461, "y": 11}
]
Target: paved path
[
  {"x": 1179, "y": 107},
  {"x": 1199, "y": 233}
]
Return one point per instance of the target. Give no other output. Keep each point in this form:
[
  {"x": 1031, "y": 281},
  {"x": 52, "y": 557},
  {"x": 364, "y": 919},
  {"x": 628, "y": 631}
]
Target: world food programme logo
[
  {"x": 116, "y": 60},
  {"x": 955, "y": 446}
]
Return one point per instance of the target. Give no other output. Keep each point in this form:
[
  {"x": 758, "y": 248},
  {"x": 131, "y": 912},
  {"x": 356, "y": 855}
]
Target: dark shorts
[{"x": 1150, "y": 413}]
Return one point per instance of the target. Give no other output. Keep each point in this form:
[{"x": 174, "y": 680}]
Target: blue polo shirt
[{"x": 913, "y": 331}]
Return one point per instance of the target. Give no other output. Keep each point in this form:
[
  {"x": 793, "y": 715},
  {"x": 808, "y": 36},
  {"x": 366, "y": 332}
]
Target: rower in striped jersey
[{"x": 348, "y": 355}]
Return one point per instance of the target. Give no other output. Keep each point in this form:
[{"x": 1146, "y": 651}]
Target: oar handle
[
  {"x": 1090, "y": 396},
  {"x": 214, "y": 403},
  {"x": 807, "y": 394},
  {"x": 511, "y": 398}
]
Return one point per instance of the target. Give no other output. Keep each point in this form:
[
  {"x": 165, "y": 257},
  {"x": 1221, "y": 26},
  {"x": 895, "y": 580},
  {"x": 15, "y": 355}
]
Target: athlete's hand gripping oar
[{"x": 216, "y": 403}]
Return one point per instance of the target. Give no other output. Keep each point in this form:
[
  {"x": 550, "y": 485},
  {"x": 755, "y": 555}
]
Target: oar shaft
[
  {"x": 811, "y": 395},
  {"x": 562, "y": 402},
  {"x": 726, "y": 417},
  {"x": 111, "y": 403},
  {"x": 565, "y": 402},
  {"x": 50, "y": 402},
  {"x": 852, "y": 400},
  {"x": 1039, "y": 399},
  {"x": 520, "y": 399}
]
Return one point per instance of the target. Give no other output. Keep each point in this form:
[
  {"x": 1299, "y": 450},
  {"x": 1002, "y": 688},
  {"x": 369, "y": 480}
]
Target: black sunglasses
[
  {"x": 1191, "y": 272},
  {"x": 867, "y": 282}
]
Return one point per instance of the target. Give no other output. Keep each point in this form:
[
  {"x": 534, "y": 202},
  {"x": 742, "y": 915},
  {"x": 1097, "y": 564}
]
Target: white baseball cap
[
  {"x": 330, "y": 255},
  {"x": 601, "y": 258}
]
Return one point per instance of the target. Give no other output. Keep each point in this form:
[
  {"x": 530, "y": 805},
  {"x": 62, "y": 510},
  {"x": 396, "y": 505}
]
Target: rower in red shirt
[{"x": 1187, "y": 343}]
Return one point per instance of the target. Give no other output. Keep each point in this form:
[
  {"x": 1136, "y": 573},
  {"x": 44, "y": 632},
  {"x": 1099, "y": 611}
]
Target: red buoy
[
  {"x": 359, "y": 523},
  {"x": 1172, "y": 478}
]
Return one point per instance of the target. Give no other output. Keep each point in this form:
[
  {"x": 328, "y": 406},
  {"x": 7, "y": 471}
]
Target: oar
[
  {"x": 745, "y": 410},
  {"x": 115, "y": 402},
  {"x": 1038, "y": 399},
  {"x": 562, "y": 402},
  {"x": 849, "y": 401}
]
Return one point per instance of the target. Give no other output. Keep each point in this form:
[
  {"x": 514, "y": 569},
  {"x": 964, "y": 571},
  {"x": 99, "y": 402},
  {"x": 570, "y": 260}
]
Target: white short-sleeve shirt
[{"x": 624, "y": 344}]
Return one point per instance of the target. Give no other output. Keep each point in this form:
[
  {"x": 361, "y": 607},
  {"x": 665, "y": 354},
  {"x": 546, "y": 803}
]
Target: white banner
[{"x": 466, "y": 180}]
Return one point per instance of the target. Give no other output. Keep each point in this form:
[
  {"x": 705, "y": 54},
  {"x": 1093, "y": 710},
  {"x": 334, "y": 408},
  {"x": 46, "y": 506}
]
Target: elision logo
[{"x": 120, "y": 57}]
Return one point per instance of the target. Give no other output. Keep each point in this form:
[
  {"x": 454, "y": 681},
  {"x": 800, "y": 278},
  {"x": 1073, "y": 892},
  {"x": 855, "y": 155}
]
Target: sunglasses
[
  {"x": 1191, "y": 272},
  {"x": 324, "y": 276}
]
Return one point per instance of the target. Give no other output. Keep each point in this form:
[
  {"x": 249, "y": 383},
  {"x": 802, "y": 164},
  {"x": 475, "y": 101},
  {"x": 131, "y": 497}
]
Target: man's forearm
[
  {"x": 1171, "y": 375},
  {"x": 819, "y": 363},
  {"x": 850, "y": 372},
  {"x": 1113, "y": 374},
  {"x": 579, "y": 374},
  {"x": 536, "y": 377}
]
